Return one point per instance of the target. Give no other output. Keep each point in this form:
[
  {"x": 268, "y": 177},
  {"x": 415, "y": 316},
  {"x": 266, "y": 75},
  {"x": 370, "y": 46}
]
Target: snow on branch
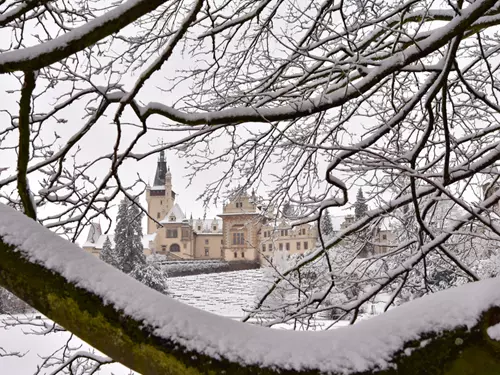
[
  {"x": 341, "y": 95},
  {"x": 74, "y": 280},
  {"x": 44, "y": 54}
]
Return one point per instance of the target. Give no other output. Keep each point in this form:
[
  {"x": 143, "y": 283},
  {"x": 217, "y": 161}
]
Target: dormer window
[
  {"x": 239, "y": 204},
  {"x": 172, "y": 218},
  {"x": 199, "y": 227},
  {"x": 215, "y": 227}
]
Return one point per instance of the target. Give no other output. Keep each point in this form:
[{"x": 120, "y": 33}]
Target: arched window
[{"x": 174, "y": 248}]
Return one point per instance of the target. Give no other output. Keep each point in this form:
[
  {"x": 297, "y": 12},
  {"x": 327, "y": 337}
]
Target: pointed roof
[
  {"x": 161, "y": 170},
  {"x": 94, "y": 232},
  {"x": 176, "y": 214}
]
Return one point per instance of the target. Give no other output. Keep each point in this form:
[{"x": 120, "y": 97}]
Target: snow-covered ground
[{"x": 226, "y": 294}]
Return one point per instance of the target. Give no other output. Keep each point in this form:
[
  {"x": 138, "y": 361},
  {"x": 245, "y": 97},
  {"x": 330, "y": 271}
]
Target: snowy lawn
[
  {"x": 366, "y": 345},
  {"x": 226, "y": 294}
]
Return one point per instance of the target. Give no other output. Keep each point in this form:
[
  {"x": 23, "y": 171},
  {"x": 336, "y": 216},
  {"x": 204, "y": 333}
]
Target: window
[
  {"x": 235, "y": 254},
  {"x": 239, "y": 204},
  {"x": 284, "y": 232},
  {"x": 206, "y": 242},
  {"x": 158, "y": 215},
  {"x": 264, "y": 247},
  {"x": 185, "y": 233},
  {"x": 214, "y": 227},
  {"x": 222, "y": 242},
  {"x": 265, "y": 233},
  {"x": 206, "y": 251},
  {"x": 161, "y": 202},
  {"x": 298, "y": 245},
  {"x": 174, "y": 248},
  {"x": 163, "y": 248},
  {"x": 242, "y": 254},
  {"x": 238, "y": 239},
  {"x": 287, "y": 246},
  {"x": 171, "y": 233},
  {"x": 281, "y": 246},
  {"x": 199, "y": 227},
  {"x": 270, "y": 247},
  {"x": 306, "y": 244},
  {"x": 384, "y": 236}
]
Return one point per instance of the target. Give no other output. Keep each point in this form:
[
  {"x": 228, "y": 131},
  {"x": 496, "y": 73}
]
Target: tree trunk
[{"x": 135, "y": 344}]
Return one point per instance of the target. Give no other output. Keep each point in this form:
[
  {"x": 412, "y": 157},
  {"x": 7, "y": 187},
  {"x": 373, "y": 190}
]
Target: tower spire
[{"x": 161, "y": 170}]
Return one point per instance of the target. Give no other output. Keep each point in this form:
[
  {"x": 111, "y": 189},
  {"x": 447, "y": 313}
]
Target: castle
[{"x": 241, "y": 232}]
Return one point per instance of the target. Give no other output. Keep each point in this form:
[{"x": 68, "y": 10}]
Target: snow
[
  {"x": 494, "y": 332},
  {"x": 36, "y": 346},
  {"x": 227, "y": 294},
  {"x": 99, "y": 242},
  {"x": 338, "y": 94},
  {"x": 176, "y": 214},
  {"x": 51, "y": 46},
  {"x": 363, "y": 346}
]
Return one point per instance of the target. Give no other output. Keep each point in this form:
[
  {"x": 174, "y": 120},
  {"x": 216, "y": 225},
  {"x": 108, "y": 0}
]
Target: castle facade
[{"x": 241, "y": 232}]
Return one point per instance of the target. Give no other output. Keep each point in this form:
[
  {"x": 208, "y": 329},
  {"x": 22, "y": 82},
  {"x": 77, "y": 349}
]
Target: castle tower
[
  {"x": 160, "y": 196},
  {"x": 241, "y": 222}
]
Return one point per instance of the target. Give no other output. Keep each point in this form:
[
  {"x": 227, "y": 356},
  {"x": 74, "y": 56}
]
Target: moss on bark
[{"x": 457, "y": 352}]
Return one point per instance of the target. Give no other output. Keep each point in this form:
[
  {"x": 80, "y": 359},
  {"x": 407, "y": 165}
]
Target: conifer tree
[
  {"x": 360, "y": 209},
  {"x": 360, "y": 206},
  {"x": 288, "y": 210},
  {"x": 326, "y": 225},
  {"x": 108, "y": 254},
  {"x": 128, "y": 237}
]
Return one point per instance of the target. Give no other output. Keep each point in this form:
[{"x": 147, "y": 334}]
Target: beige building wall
[
  {"x": 284, "y": 238},
  {"x": 92, "y": 250},
  {"x": 176, "y": 239},
  {"x": 160, "y": 201},
  {"x": 157, "y": 208},
  {"x": 383, "y": 241},
  {"x": 208, "y": 246},
  {"x": 241, "y": 223}
]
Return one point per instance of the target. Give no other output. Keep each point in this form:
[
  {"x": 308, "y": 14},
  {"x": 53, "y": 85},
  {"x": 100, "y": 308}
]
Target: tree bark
[{"x": 134, "y": 344}]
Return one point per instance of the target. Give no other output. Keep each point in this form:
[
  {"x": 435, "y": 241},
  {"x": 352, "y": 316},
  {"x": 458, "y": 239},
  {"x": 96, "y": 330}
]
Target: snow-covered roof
[
  {"x": 337, "y": 222},
  {"x": 94, "y": 232},
  {"x": 99, "y": 243},
  {"x": 158, "y": 187},
  {"x": 207, "y": 226},
  {"x": 175, "y": 215}
]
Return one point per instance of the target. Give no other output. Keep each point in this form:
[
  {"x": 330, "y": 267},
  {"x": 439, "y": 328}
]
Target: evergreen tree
[
  {"x": 360, "y": 209},
  {"x": 326, "y": 225},
  {"x": 151, "y": 274},
  {"x": 128, "y": 237},
  {"x": 288, "y": 210},
  {"x": 108, "y": 254},
  {"x": 360, "y": 206}
]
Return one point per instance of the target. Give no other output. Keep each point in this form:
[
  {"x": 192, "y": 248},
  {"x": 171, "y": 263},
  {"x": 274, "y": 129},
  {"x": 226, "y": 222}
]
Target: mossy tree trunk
[{"x": 130, "y": 342}]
